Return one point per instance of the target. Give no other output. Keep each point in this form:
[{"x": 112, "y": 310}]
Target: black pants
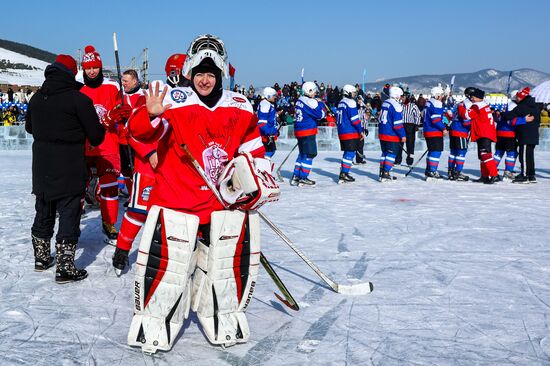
[
  {"x": 410, "y": 132},
  {"x": 69, "y": 218},
  {"x": 527, "y": 160},
  {"x": 360, "y": 155}
]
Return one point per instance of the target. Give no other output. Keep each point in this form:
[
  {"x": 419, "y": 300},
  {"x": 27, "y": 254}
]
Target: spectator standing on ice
[{"x": 60, "y": 118}]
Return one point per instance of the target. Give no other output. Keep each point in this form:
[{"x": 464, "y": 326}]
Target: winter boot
[
  {"x": 294, "y": 181},
  {"x": 120, "y": 260},
  {"x": 111, "y": 233},
  {"x": 532, "y": 179},
  {"x": 66, "y": 271},
  {"x": 306, "y": 182},
  {"x": 42, "y": 254},
  {"x": 491, "y": 180},
  {"x": 345, "y": 178}
]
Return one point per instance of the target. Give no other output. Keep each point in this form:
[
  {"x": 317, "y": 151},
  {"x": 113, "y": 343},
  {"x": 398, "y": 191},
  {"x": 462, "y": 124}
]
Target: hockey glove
[
  {"x": 117, "y": 114},
  {"x": 247, "y": 183}
]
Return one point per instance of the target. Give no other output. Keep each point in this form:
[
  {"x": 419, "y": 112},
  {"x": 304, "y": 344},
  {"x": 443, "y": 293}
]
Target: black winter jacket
[
  {"x": 60, "y": 118},
  {"x": 527, "y": 134}
]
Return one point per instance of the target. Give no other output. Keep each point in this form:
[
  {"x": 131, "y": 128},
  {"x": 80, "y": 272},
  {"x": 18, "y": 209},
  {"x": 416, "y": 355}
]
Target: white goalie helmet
[
  {"x": 269, "y": 93},
  {"x": 206, "y": 46},
  {"x": 310, "y": 89},
  {"x": 396, "y": 92},
  {"x": 349, "y": 91}
]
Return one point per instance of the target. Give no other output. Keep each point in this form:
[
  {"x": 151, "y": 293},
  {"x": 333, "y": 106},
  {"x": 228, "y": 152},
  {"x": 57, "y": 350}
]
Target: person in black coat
[
  {"x": 60, "y": 118},
  {"x": 527, "y": 135}
]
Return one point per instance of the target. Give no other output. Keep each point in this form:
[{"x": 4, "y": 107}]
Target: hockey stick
[
  {"x": 289, "y": 300},
  {"x": 509, "y": 82},
  {"x": 356, "y": 289},
  {"x": 119, "y": 75},
  {"x": 278, "y": 172},
  {"x": 415, "y": 164}
]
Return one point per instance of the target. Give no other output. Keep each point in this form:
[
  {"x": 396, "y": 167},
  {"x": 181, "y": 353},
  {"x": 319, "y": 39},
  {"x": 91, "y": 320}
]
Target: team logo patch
[
  {"x": 239, "y": 99},
  {"x": 178, "y": 96}
]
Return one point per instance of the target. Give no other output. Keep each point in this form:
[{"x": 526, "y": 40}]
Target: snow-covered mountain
[
  {"x": 21, "y": 64},
  {"x": 490, "y": 80}
]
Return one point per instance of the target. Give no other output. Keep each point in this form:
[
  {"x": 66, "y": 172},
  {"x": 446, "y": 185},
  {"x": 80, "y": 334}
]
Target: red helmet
[{"x": 174, "y": 66}]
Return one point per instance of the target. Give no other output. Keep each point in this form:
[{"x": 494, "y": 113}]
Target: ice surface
[{"x": 461, "y": 275}]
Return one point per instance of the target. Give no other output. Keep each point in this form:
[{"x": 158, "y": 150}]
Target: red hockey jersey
[
  {"x": 213, "y": 135},
  {"x": 105, "y": 97},
  {"x": 134, "y": 100},
  {"x": 483, "y": 124}
]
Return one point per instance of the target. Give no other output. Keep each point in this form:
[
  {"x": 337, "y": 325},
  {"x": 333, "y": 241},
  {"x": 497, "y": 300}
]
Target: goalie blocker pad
[
  {"x": 226, "y": 274},
  {"x": 162, "y": 286}
]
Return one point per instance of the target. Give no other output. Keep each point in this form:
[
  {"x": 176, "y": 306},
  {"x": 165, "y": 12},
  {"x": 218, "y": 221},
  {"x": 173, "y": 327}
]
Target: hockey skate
[
  {"x": 120, "y": 260},
  {"x": 111, "y": 233},
  {"x": 452, "y": 174},
  {"x": 432, "y": 176},
  {"x": 66, "y": 271},
  {"x": 491, "y": 180},
  {"x": 345, "y": 178},
  {"x": 386, "y": 177},
  {"x": 508, "y": 176},
  {"x": 306, "y": 182},
  {"x": 42, "y": 256},
  {"x": 521, "y": 179},
  {"x": 294, "y": 181},
  {"x": 461, "y": 177}
]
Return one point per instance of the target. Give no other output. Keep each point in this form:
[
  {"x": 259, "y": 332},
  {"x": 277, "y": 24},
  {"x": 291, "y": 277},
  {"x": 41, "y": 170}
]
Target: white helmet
[
  {"x": 396, "y": 92},
  {"x": 310, "y": 89},
  {"x": 206, "y": 46},
  {"x": 269, "y": 92},
  {"x": 437, "y": 91},
  {"x": 349, "y": 91}
]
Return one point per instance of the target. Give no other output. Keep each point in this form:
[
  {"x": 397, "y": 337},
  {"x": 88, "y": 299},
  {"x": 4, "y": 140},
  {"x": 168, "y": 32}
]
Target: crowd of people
[{"x": 196, "y": 161}]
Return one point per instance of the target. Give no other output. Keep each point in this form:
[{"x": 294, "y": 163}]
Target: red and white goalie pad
[
  {"x": 162, "y": 287},
  {"x": 247, "y": 183},
  {"x": 226, "y": 274}
]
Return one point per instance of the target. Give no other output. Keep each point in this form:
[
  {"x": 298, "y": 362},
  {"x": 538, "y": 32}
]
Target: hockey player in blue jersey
[
  {"x": 267, "y": 121},
  {"x": 349, "y": 131},
  {"x": 434, "y": 130},
  {"x": 459, "y": 138},
  {"x": 309, "y": 110},
  {"x": 391, "y": 132}
]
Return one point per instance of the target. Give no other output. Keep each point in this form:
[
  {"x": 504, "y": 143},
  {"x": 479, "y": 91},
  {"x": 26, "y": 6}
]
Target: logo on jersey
[
  {"x": 215, "y": 159},
  {"x": 100, "y": 111},
  {"x": 239, "y": 100},
  {"x": 146, "y": 193},
  {"x": 178, "y": 96}
]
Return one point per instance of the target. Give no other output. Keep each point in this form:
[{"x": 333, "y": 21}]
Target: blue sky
[{"x": 271, "y": 41}]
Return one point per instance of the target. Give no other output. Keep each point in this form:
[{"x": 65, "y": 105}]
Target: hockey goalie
[{"x": 197, "y": 253}]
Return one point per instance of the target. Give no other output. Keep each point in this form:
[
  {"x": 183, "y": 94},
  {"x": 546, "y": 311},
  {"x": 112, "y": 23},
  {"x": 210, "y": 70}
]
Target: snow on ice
[{"x": 460, "y": 270}]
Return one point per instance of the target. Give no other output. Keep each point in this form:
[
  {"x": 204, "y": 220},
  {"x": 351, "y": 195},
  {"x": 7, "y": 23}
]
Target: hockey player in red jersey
[
  {"x": 105, "y": 157},
  {"x": 194, "y": 254},
  {"x": 483, "y": 131},
  {"x": 143, "y": 177}
]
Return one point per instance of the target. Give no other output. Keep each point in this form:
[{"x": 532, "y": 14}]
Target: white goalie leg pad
[
  {"x": 226, "y": 274},
  {"x": 162, "y": 286}
]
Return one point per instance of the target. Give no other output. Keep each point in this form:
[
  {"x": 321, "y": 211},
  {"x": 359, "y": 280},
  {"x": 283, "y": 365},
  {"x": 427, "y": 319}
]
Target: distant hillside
[
  {"x": 27, "y": 50},
  {"x": 489, "y": 80}
]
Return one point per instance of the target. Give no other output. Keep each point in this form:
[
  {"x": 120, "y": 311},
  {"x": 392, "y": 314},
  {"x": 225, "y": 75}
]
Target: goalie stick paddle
[
  {"x": 278, "y": 172},
  {"x": 289, "y": 299}
]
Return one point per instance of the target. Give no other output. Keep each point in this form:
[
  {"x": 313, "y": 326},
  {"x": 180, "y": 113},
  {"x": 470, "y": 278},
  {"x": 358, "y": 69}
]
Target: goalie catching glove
[{"x": 246, "y": 183}]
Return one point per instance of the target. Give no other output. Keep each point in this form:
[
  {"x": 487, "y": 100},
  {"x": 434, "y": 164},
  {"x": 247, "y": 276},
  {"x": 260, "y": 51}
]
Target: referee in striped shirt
[{"x": 411, "y": 121}]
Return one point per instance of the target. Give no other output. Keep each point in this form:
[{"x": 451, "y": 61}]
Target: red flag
[{"x": 231, "y": 71}]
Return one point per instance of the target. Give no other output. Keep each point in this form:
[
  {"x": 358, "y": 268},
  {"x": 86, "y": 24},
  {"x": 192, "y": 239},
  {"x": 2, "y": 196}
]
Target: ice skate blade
[{"x": 110, "y": 241}]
